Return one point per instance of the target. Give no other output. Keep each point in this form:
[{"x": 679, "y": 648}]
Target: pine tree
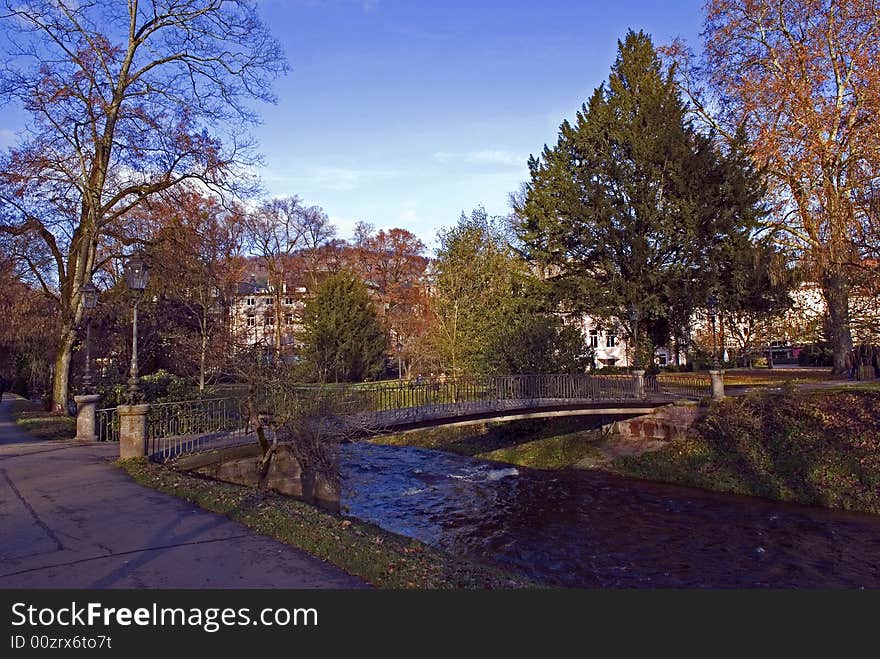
[
  {"x": 633, "y": 209},
  {"x": 344, "y": 340}
]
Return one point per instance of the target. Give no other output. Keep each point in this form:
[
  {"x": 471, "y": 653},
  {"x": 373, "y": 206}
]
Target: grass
[
  {"x": 818, "y": 448},
  {"x": 778, "y": 375},
  {"x": 381, "y": 558},
  {"x": 544, "y": 444},
  {"x": 36, "y": 421}
]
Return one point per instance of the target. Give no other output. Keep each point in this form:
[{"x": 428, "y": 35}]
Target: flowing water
[{"x": 579, "y": 528}]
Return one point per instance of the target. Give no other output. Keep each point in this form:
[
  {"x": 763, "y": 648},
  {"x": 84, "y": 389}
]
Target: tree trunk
[
  {"x": 835, "y": 289},
  {"x": 61, "y": 376}
]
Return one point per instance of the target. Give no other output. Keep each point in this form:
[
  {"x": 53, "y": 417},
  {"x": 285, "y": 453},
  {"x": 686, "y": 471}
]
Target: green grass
[
  {"x": 818, "y": 448},
  {"x": 542, "y": 444},
  {"x": 383, "y": 559},
  {"x": 36, "y": 421}
]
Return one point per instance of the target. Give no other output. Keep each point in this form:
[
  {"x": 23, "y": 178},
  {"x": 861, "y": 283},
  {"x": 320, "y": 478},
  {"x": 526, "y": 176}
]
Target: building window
[
  {"x": 251, "y": 301},
  {"x": 288, "y": 301},
  {"x": 251, "y": 320},
  {"x": 610, "y": 340},
  {"x": 594, "y": 338},
  {"x": 269, "y": 300},
  {"x": 268, "y": 320},
  {"x": 288, "y": 319}
]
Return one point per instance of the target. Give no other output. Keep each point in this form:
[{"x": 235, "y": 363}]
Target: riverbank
[
  {"x": 820, "y": 448},
  {"x": 815, "y": 447},
  {"x": 381, "y": 558}
]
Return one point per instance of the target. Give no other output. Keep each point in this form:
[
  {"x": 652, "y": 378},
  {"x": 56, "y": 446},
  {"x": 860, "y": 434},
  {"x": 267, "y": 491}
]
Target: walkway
[{"x": 71, "y": 519}]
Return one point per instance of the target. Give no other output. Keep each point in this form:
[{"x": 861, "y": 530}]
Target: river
[{"x": 587, "y": 529}]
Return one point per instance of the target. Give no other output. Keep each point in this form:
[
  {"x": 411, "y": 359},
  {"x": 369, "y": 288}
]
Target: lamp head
[
  {"x": 89, "y": 295},
  {"x": 137, "y": 274}
]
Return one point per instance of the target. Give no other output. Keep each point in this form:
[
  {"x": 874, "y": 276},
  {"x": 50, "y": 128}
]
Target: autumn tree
[
  {"x": 394, "y": 264},
  {"x": 126, "y": 100},
  {"x": 633, "y": 211},
  {"x": 802, "y": 77},
  {"x": 286, "y": 236},
  {"x": 195, "y": 260},
  {"x": 27, "y": 338}
]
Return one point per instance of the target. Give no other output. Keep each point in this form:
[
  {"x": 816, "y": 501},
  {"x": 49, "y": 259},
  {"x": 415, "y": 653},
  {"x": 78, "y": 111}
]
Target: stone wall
[
  {"x": 666, "y": 423},
  {"x": 239, "y": 464}
]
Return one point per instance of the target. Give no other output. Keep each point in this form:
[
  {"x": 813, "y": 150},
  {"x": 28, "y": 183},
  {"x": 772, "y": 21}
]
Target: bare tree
[
  {"x": 802, "y": 78},
  {"x": 126, "y": 101}
]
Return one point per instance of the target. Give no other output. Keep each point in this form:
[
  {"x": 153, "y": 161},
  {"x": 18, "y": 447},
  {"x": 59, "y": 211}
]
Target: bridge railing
[
  {"x": 678, "y": 386},
  {"x": 399, "y": 400},
  {"x": 179, "y": 427}
]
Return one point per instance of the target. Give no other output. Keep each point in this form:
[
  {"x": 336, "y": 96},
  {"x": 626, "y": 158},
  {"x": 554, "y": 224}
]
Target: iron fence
[
  {"x": 185, "y": 426},
  {"x": 678, "y": 386},
  {"x": 107, "y": 425},
  {"x": 395, "y": 402}
]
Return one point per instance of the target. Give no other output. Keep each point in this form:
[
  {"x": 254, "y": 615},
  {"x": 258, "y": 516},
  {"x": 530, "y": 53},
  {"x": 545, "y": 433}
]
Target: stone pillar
[
  {"x": 717, "y": 383},
  {"x": 85, "y": 417},
  {"x": 132, "y": 430},
  {"x": 639, "y": 382}
]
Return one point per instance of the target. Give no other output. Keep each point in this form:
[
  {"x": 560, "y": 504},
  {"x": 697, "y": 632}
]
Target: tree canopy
[
  {"x": 633, "y": 211},
  {"x": 126, "y": 101},
  {"x": 802, "y": 78}
]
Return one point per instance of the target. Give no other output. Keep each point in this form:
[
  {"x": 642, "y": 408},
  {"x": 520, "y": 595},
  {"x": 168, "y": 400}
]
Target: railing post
[
  {"x": 717, "y": 376},
  {"x": 85, "y": 417},
  {"x": 132, "y": 430},
  {"x": 639, "y": 383}
]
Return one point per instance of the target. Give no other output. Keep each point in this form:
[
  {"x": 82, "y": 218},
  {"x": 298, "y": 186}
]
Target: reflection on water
[{"x": 587, "y": 529}]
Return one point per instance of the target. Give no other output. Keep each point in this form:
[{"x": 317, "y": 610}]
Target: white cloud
[
  {"x": 494, "y": 157},
  {"x": 336, "y": 179},
  {"x": 344, "y": 226},
  {"x": 491, "y": 157}
]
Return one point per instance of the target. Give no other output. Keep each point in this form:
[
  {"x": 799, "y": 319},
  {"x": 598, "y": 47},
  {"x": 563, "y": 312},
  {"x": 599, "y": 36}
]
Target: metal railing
[
  {"x": 107, "y": 425},
  {"x": 678, "y": 386},
  {"x": 185, "y": 426},
  {"x": 389, "y": 403}
]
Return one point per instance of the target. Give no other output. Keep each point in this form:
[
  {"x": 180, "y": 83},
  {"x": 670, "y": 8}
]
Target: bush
[{"x": 158, "y": 387}]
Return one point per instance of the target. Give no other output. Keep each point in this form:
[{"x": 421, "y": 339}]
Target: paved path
[{"x": 70, "y": 519}]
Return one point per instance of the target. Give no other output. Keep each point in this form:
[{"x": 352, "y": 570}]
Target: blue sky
[{"x": 404, "y": 113}]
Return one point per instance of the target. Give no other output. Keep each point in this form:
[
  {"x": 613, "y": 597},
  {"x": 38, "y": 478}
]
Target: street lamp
[
  {"x": 711, "y": 307},
  {"x": 136, "y": 276},
  {"x": 634, "y": 326},
  {"x": 89, "y": 294}
]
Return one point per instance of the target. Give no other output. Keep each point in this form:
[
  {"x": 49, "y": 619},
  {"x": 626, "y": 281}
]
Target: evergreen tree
[
  {"x": 344, "y": 340},
  {"x": 633, "y": 210},
  {"x": 535, "y": 342}
]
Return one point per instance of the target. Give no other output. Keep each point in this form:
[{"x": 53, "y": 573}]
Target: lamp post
[
  {"x": 136, "y": 276},
  {"x": 634, "y": 326},
  {"x": 89, "y": 294},
  {"x": 711, "y": 307}
]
